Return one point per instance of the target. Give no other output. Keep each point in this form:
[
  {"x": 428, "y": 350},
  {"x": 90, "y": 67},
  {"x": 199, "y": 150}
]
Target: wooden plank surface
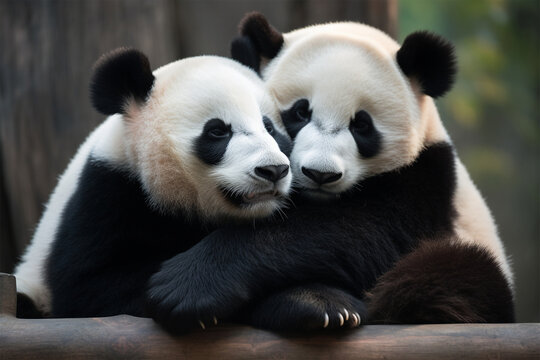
[
  {"x": 128, "y": 337},
  {"x": 137, "y": 338}
]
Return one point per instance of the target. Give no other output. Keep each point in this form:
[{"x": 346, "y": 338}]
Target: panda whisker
[
  {"x": 281, "y": 213},
  {"x": 287, "y": 203}
]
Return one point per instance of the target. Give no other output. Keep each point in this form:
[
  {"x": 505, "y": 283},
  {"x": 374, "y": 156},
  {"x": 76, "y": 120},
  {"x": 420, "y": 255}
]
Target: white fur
[
  {"x": 346, "y": 87},
  {"x": 475, "y": 223},
  {"x": 342, "y": 68},
  {"x": 154, "y": 141}
]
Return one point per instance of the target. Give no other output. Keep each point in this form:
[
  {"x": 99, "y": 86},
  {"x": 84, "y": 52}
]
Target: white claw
[
  {"x": 326, "y": 320},
  {"x": 341, "y": 320},
  {"x": 359, "y": 319},
  {"x": 355, "y": 319},
  {"x": 202, "y": 325},
  {"x": 215, "y": 320},
  {"x": 346, "y": 314}
]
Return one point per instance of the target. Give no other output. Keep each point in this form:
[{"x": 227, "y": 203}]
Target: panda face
[
  {"x": 350, "y": 111},
  {"x": 206, "y": 141}
]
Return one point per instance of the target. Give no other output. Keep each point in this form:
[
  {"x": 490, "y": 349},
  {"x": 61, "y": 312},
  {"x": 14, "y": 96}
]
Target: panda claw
[
  {"x": 202, "y": 325},
  {"x": 341, "y": 319},
  {"x": 326, "y": 320},
  {"x": 346, "y": 314},
  {"x": 215, "y": 320},
  {"x": 359, "y": 319},
  {"x": 355, "y": 320}
]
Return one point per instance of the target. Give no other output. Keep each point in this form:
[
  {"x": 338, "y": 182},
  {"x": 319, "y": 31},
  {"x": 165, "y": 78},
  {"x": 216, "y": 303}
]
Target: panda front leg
[
  {"x": 228, "y": 270},
  {"x": 189, "y": 291},
  {"x": 308, "y": 307}
]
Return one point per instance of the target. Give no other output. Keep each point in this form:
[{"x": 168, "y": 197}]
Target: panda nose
[
  {"x": 321, "y": 177},
  {"x": 272, "y": 172}
]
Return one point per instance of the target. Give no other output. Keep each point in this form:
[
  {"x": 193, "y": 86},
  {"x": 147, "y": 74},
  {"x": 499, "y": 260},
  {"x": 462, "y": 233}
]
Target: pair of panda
[{"x": 179, "y": 206}]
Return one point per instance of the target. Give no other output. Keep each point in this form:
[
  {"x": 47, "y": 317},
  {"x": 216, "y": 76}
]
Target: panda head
[
  {"x": 355, "y": 103},
  {"x": 199, "y": 134}
]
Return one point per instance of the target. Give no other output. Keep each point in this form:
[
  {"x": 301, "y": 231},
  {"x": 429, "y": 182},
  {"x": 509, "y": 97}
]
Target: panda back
[{"x": 30, "y": 272}]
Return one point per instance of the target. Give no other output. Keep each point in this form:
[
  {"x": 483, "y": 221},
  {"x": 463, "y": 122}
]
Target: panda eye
[
  {"x": 362, "y": 123},
  {"x": 217, "y": 129},
  {"x": 218, "y": 133},
  {"x": 301, "y": 110},
  {"x": 268, "y": 125}
]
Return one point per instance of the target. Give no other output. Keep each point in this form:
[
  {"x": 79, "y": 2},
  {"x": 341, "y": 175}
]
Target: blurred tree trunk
[
  {"x": 48, "y": 48},
  {"x": 382, "y": 14}
]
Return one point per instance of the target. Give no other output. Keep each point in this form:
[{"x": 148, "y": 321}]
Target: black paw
[
  {"x": 309, "y": 307},
  {"x": 187, "y": 293}
]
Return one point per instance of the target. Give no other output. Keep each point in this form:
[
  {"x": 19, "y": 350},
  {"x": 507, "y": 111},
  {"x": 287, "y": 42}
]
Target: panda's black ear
[
  {"x": 257, "y": 39},
  {"x": 243, "y": 51},
  {"x": 120, "y": 76},
  {"x": 430, "y": 59}
]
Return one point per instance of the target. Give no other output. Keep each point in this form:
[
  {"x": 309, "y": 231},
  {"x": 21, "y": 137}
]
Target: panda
[
  {"x": 184, "y": 149},
  {"x": 381, "y": 201}
]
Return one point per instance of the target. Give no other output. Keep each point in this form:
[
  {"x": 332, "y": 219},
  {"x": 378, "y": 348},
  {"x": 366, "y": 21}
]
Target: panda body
[
  {"x": 185, "y": 149},
  {"x": 381, "y": 200},
  {"x": 354, "y": 80},
  {"x": 305, "y": 271},
  {"x": 474, "y": 223}
]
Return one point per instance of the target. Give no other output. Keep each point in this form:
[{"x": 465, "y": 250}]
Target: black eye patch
[
  {"x": 284, "y": 143},
  {"x": 367, "y": 138},
  {"x": 295, "y": 118},
  {"x": 211, "y": 145}
]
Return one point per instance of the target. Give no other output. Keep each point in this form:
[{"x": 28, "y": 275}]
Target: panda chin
[
  {"x": 319, "y": 194},
  {"x": 252, "y": 199}
]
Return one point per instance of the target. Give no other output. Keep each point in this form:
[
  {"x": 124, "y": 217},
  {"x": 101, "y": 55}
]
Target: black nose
[
  {"x": 321, "y": 177},
  {"x": 272, "y": 172}
]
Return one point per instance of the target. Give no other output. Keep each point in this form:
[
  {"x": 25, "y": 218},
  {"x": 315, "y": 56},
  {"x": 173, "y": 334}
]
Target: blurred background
[{"x": 47, "y": 49}]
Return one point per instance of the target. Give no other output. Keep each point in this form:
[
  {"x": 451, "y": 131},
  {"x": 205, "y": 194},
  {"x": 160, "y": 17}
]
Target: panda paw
[
  {"x": 184, "y": 295},
  {"x": 310, "y": 307}
]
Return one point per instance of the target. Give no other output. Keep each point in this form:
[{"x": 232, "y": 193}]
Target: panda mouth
[
  {"x": 258, "y": 197},
  {"x": 250, "y": 198}
]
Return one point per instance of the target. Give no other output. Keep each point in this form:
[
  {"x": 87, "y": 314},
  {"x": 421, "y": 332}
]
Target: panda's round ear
[
  {"x": 257, "y": 39},
  {"x": 430, "y": 59},
  {"x": 120, "y": 76}
]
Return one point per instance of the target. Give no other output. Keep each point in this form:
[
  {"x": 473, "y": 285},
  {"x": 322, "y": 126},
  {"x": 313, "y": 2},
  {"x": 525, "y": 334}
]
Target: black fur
[
  {"x": 211, "y": 145},
  {"x": 366, "y": 136},
  {"x": 443, "y": 282},
  {"x": 304, "y": 308},
  {"x": 26, "y": 308},
  {"x": 430, "y": 59},
  {"x": 119, "y": 76},
  {"x": 108, "y": 244},
  {"x": 285, "y": 144},
  {"x": 257, "y": 38},
  {"x": 346, "y": 244},
  {"x": 243, "y": 50},
  {"x": 295, "y": 118},
  {"x": 266, "y": 39}
]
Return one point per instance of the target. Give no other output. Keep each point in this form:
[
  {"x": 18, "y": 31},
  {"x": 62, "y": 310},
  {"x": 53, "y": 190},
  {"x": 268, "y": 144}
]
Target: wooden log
[
  {"x": 129, "y": 337},
  {"x": 8, "y": 295},
  {"x": 138, "y": 338}
]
